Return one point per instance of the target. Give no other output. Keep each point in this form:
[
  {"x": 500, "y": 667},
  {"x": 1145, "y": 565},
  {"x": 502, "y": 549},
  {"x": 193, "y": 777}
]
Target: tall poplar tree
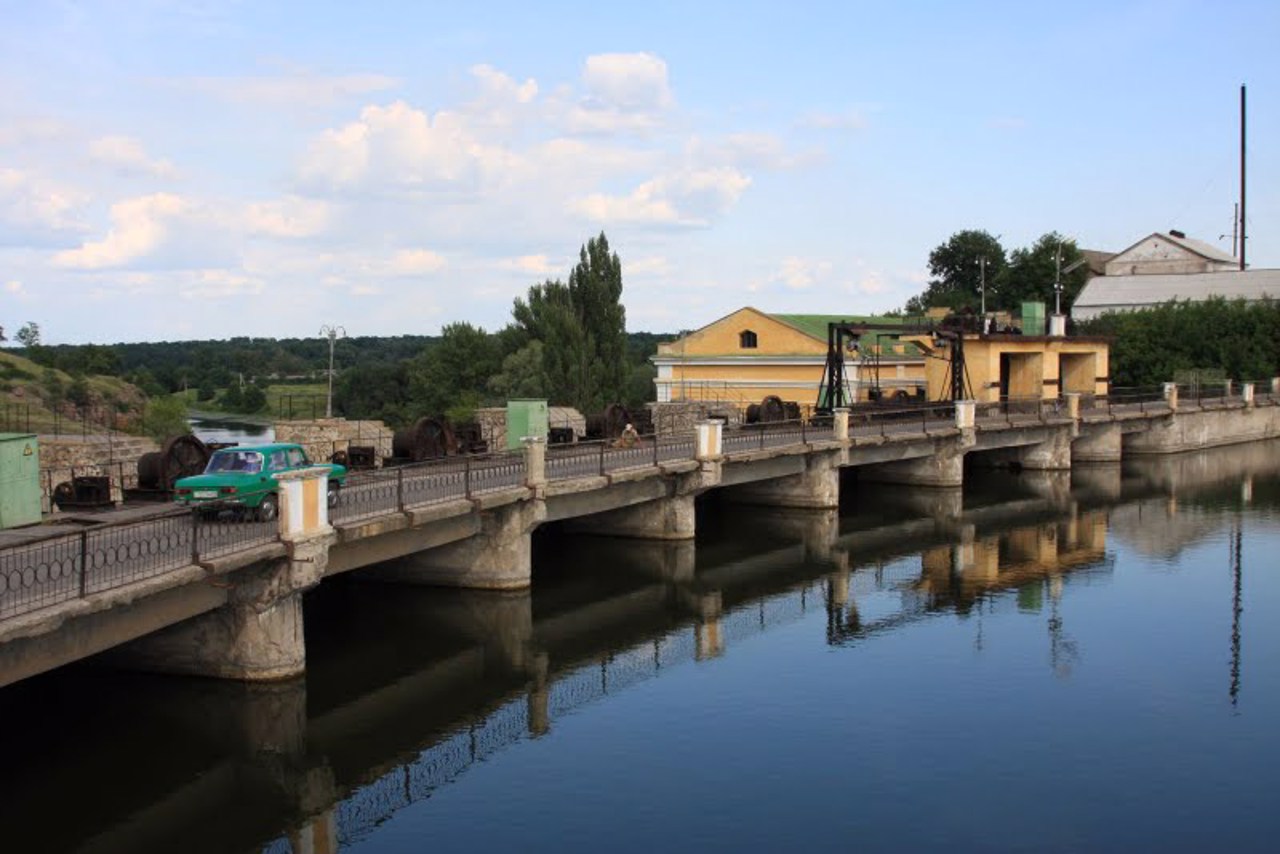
[{"x": 582, "y": 326}]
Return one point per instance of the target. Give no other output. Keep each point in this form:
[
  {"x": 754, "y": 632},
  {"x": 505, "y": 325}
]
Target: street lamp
[{"x": 333, "y": 333}]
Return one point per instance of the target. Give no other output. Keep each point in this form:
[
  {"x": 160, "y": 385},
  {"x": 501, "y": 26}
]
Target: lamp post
[{"x": 333, "y": 333}]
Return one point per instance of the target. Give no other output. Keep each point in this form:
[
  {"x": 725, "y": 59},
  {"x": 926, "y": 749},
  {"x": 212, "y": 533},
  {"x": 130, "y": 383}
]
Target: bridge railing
[
  {"x": 1122, "y": 399},
  {"x": 901, "y": 421},
  {"x": 598, "y": 458},
  {"x": 1013, "y": 410},
  {"x": 72, "y": 566}
]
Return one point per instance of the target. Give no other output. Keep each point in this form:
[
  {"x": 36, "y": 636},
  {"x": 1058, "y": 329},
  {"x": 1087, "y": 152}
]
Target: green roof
[{"x": 815, "y": 325}]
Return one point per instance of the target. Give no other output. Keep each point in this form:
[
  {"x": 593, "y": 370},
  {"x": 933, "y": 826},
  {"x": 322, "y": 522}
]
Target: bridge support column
[
  {"x": 671, "y": 518},
  {"x": 1054, "y": 453},
  {"x": 1097, "y": 443},
  {"x": 817, "y": 487},
  {"x": 944, "y": 467},
  {"x": 499, "y": 557},
  {"x": 256, "y": 636}
]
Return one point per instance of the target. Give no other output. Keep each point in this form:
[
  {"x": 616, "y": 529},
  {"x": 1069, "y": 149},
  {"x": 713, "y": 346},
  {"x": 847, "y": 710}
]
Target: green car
[{"x": 242, "y": 478}]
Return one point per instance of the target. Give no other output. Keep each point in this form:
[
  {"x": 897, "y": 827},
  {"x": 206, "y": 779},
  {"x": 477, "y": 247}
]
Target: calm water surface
[{"x": 1064, "y": 663}]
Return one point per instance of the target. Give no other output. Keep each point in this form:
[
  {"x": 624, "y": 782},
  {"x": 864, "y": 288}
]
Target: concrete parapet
[
  {"x": 841, "y": 425},
  {"x": 1073, "y": 404},
  {"x": 708, "y": 440},
  {"x": 535, "y": 463},
  {"x": 1171, "y": 395},
  {"x": 1246, "y": 394},
  {"x": 965, "y": 410}
]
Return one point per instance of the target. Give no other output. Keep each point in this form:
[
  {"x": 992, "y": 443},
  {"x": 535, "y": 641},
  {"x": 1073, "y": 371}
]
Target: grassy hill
[{"x": 46, "y": 400}]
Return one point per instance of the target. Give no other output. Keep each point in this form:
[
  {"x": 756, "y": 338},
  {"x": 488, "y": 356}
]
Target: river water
[{"x": 1049, "y": 663}]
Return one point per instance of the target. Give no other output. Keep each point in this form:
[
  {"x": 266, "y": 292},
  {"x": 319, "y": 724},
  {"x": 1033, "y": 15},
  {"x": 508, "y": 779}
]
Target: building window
[{"x": 747, "y": 339}]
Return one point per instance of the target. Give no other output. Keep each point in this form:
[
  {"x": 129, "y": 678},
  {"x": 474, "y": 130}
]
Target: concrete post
[
  {"x": 708, "y": 445},
  {"x": 842, "y": 425},
  {"x": 1171, "y": 395},
  {"x": 1246, "y": 394},
  {"x": 304, "y": 503},
  {"x": 535, "y": 463},
  {"x": 1275, "y": 386},
  {"x": 1073, "y": 405},
  {"x": 1228, "y": 386},
  {"x": 965, "y": 414}
]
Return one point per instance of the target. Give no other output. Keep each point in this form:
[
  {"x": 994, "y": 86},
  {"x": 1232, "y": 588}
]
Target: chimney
[{"x": 1173, "y": 232}]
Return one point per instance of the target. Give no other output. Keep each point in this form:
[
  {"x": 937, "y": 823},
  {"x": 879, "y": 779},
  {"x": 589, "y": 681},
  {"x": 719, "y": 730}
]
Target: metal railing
[
  {"x": 1119, "y": 400},
  {"x": 1019, "y": 410},
  {"x": 72, "y": 566},
  {"x": 901, "y": 421}
]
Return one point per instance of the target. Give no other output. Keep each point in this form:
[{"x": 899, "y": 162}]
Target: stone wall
[
  {"x": 325, "y": 436},
  {"x": 679, "y": 417},
  {"x": 115, "y": 456}
]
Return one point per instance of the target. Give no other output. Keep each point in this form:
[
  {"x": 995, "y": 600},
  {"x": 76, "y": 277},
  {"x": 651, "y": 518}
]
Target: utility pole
[
  {"x": 1242, "y": 207},
  {"x": 982, "y": 287},
  {"x": 333, "y": 333}
]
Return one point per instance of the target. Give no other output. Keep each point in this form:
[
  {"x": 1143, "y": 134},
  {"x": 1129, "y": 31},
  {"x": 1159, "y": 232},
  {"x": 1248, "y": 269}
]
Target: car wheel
[
  {"x": 269, "y": 509},
  {"x": 335, "y": 490}
]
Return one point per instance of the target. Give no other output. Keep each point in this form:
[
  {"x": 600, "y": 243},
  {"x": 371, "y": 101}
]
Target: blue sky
[{"x": 173, "y": 170}]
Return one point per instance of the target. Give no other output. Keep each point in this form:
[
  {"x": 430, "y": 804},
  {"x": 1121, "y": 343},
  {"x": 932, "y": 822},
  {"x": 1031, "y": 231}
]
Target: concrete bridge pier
[
  {"x": 1097, "y": 443},
  {"x": 943, "y": 467},
  {"x": 670, "y": 518},
  {"x": 816, "y": 487},
  {"x": 1052, "y": 453},
  {"x": 498, "y": 557},
  {"x": 256, "y": 636}
]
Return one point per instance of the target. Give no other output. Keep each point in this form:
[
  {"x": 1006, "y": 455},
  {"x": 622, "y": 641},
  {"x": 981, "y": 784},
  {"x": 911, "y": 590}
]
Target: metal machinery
[
  {"x": 771, "y": 409},
  {"x": 180, "y": 456},
  {"x": 609, "y": 424},
  {"x": 846, "y": 338}
]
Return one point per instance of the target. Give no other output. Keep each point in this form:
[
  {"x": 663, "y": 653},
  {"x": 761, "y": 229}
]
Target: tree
[
  {"x": 29, "y": 334},
  {"x": 522, "y": 374},
  {"x": 462, "y": 361},
  {"x": 582, "y": 327},
  {"x": 165, "y": 417},
  {"x": 957, "y": 271},
  {"x": 1032, "y": 273}
]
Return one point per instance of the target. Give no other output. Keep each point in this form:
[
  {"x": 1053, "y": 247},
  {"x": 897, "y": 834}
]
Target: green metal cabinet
[
  {"x": 19, "y": 480},
  {"x": 525, "y": 418}
]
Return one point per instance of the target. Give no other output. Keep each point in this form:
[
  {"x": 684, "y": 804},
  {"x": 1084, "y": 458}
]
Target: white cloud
[
  {"x": 412, "y": 262},
  {"x": 533, "y": 265},
  {"x": 291, "y": 216},
  {"x": 14, "y": 288},
  {"x": 749, "y": 150},
  {"x": 400, "y": 147},
  {"x": 32, "y": 203},
  {"x": 138, "y": 227},
  {"x": 218, "y": 284},
  {"x": 623, "y": 93},
  {"x": 627, "y": 81},
  {"x": 800, "y": 274},
  {"x": 496, "y": 85},
  {"x": 127, "y": 156},
  {"x": 687, "y": 198}
]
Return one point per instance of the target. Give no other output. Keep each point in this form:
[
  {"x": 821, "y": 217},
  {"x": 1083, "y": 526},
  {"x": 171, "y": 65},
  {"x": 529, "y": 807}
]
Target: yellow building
[
  {"x": 1024, "y": 367},
  {"x": 748, "y": 355}
]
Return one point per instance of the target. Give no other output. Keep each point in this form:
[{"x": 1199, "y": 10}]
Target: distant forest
[{"x": 373, "y": 375}]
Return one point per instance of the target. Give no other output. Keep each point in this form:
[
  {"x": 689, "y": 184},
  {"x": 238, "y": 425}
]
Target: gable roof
[
  {"x": 1196, "y": 247},
  {"x": 1104, "y": 292}
]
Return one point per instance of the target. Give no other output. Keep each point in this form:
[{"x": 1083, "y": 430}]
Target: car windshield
[{"x": 234, "y": 461}]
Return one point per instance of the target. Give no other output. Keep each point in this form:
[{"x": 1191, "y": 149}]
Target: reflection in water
[{"x": 410, "y": 690}]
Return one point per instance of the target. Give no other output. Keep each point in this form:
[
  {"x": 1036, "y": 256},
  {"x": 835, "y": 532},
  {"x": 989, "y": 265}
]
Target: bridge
[
  {"x": 475, "y": 674},
  {"x": 222, "y": 598}
]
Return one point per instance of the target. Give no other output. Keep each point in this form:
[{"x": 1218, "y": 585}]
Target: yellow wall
[
  {"x": 1035, "y": 365},
  {"x": 748, "y": 378}
]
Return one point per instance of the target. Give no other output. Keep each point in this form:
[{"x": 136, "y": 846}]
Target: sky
[{"x": 176, "y": 170}]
